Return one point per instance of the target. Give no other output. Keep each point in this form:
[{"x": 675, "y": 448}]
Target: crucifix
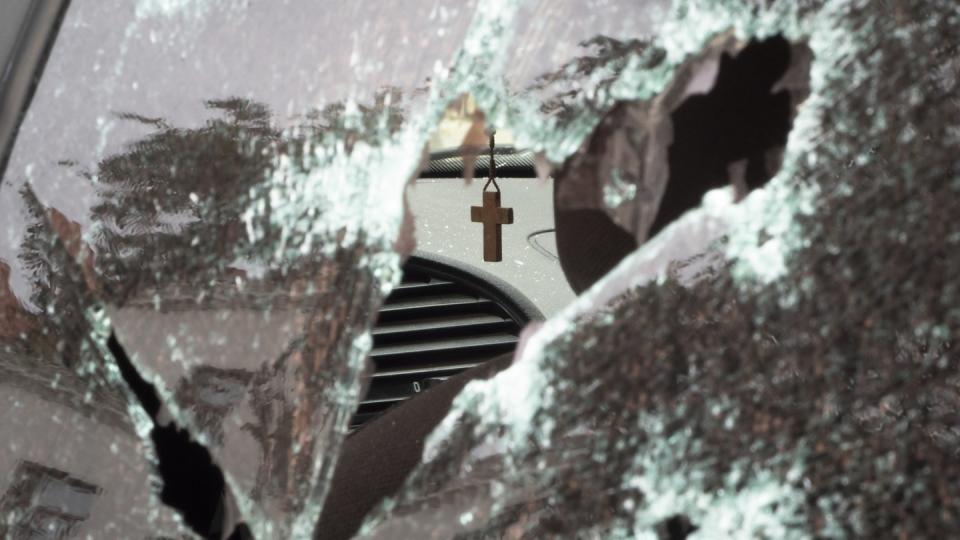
[{"x": 491, "y": 214}]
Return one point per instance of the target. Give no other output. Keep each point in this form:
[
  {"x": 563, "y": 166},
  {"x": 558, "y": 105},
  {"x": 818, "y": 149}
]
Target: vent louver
[
  {"x": 511, "y": 163},
  {"x": 439, "y": 321}
]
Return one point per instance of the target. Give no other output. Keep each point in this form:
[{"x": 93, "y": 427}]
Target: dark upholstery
[
  {"x": 589, "y": 245},
  {"x": 375, "y": 460}
]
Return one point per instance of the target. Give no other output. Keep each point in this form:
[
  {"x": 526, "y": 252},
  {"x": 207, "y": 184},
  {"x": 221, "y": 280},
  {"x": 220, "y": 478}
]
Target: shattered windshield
[{"x": 507, "y": 269}]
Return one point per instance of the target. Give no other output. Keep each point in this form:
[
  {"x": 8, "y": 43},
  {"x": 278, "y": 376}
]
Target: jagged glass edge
[
  {"x": 344, "y": 187},
  {"x": 100, "y": 331},
  {"x": 772, "y": 209}
]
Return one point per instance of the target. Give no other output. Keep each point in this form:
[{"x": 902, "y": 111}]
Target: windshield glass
[{"x": 736, "y": 219}]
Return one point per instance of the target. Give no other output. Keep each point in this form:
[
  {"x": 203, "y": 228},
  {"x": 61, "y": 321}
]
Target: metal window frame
[{"x": 27, "y": 61}]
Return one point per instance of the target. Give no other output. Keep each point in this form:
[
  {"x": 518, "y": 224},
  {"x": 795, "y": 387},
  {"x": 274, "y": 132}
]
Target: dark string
[{"x": 492, "y": 169}]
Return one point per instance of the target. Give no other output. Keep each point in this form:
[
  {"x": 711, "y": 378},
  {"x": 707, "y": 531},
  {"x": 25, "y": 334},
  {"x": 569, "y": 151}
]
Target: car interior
[{"x": 476, "y": 271}]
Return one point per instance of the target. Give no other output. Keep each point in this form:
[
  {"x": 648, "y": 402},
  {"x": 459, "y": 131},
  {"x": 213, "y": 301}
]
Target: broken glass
[
  {"x": 205, "y": 207},
  {"x": 229, "y": 247},
  {"x": 800, "y": 385},
  {"x": 74, "y": 458}
]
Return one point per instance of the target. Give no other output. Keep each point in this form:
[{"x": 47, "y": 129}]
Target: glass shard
[
  {"x": 204, "y": 209},
  {"x": 73, "y": 459},
  {"x": 790, "y": 393}
]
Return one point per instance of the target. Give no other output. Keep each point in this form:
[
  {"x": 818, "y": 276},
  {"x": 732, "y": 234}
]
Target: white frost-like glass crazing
[
  {"x": 767, "y": 398},
  {"x": 777, "y": 364}
]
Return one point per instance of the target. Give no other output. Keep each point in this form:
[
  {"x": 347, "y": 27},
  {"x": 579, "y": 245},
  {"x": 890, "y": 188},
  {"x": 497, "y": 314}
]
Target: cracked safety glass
[{"x": 506, "y": 269}]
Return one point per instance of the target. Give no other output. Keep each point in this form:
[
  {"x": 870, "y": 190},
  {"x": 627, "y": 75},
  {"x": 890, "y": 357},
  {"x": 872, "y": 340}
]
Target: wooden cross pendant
[{"x": 493, "y": 218}]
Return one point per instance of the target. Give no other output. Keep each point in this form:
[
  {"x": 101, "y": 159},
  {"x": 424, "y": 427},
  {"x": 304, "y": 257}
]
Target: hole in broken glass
[
  {"x": 449, "y": 239},
  {"x": 722, "y": 122},
  {"x": 677, "y": 527},
  {"x": 192, "y": 483},
  {"x": 734, "y": 134},
  {"x": 459, "y": 148}
]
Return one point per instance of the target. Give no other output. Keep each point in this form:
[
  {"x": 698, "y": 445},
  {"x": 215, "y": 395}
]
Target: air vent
[
  {"x": 511, "y": 163},
  {"x": 441, "y": 320}
]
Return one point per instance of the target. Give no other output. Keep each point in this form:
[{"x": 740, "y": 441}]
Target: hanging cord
[
  {"x": 492, "y": 168},
  {"x": 536, "y": 245}
]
